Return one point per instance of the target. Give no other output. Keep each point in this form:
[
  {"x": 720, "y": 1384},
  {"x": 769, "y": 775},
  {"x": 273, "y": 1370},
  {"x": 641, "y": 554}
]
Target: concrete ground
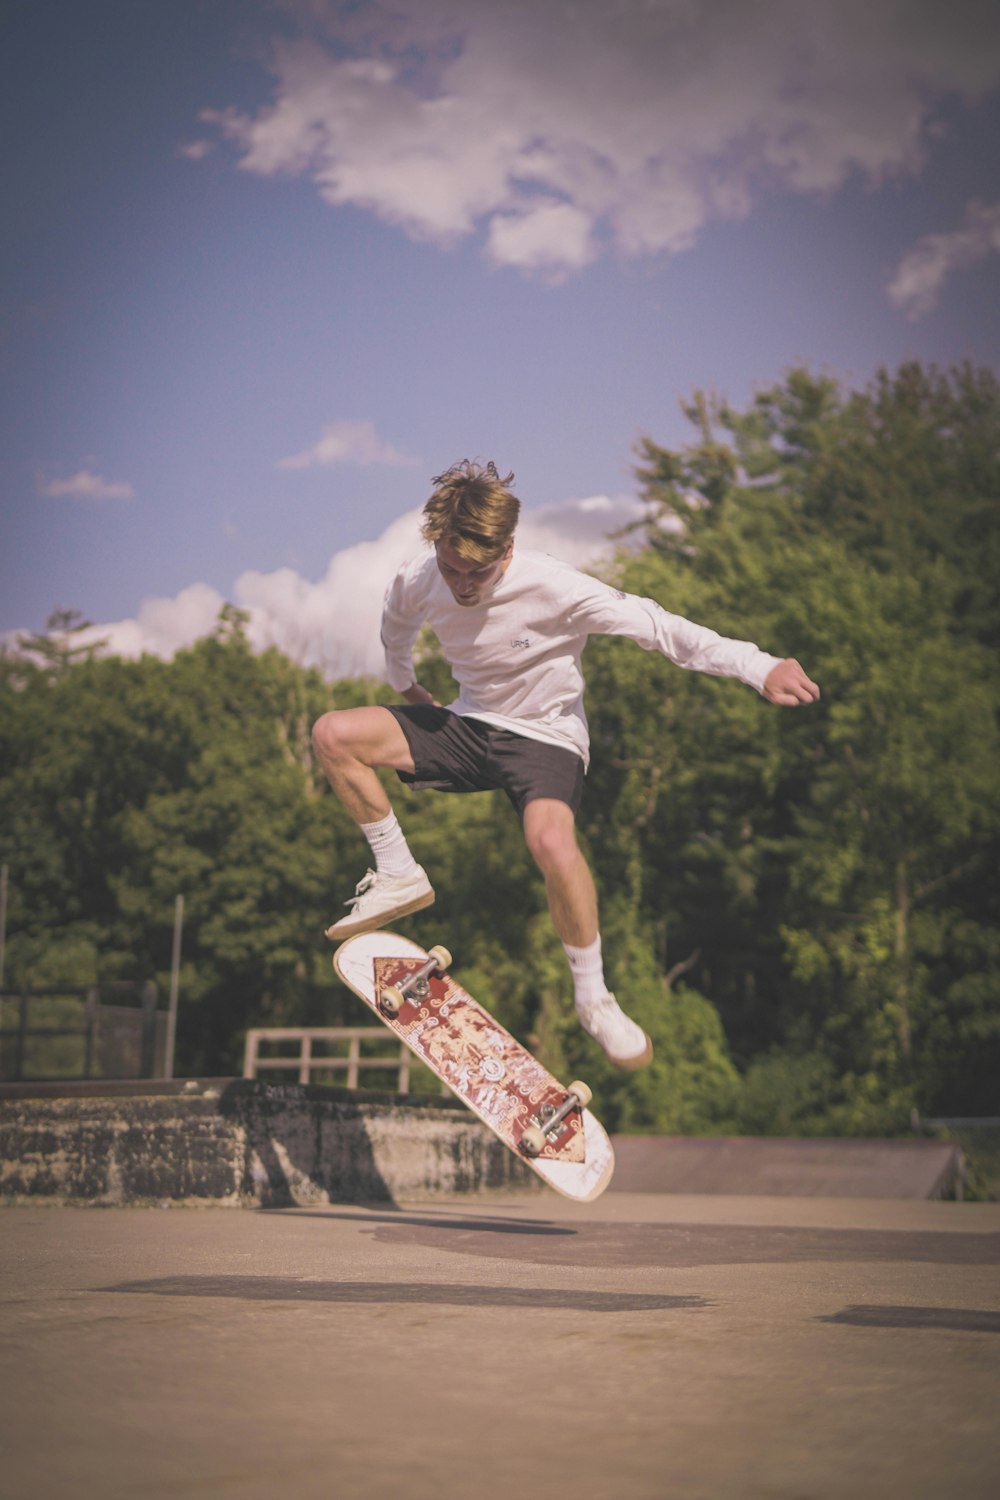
[{"x": 641, "y": 1348}]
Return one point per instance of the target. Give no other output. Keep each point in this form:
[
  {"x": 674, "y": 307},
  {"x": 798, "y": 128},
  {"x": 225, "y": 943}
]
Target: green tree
[
  {"x": 855, "y": 840},
  {"x": 130, "y": 782},
  {"x": 61, "y": 643}
]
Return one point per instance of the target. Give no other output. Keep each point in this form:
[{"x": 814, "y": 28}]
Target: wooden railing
[{"x": 306, "y": 1061}]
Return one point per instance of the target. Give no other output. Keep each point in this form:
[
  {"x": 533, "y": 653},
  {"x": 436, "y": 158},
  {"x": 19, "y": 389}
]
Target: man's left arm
[{"x": 693, "y": 647}]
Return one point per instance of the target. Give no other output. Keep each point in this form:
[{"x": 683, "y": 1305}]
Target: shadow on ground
[
  {"x": 284, "y": 1289},
  {"x": 683, "y": 1246},
  {"x": 953, "y": 1319}
]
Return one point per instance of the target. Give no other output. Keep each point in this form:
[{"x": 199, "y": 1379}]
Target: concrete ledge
[
  {"x": 241, "y": 1142},
  {"x": 244, "y": 1142},
  {"x": 764, "y": 1166}
]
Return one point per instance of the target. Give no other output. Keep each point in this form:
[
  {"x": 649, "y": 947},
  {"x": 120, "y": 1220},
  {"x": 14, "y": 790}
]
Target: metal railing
[
  {"x": 307, "y": 1061},
  {"x": 75, "y": 1032}
]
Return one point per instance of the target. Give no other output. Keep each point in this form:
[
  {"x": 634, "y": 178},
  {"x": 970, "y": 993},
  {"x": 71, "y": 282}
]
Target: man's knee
[
  {"x": 327, "y": 736},
  {"x": 338, "y": 735},
  {"x": 369, "y": 735},
  {"x": 551, "y": 838}
]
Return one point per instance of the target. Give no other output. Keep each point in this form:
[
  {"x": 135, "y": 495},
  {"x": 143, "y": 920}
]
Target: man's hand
[
  {"x": 417, "y": 694},
  {"x": 788, "y": 685}
]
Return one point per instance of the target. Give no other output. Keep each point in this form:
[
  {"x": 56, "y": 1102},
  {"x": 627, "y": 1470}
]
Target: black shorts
[{"x": 452, "y": 753}]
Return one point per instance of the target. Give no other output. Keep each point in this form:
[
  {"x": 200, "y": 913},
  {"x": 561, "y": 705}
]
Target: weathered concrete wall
[{"x": 238, "y": 1142}]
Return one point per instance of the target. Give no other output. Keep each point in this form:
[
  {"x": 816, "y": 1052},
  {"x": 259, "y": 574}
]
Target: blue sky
[{"x": 268, "y": 267}]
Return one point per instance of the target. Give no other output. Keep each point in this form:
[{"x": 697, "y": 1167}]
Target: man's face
[{"x": 470, "y": 583}]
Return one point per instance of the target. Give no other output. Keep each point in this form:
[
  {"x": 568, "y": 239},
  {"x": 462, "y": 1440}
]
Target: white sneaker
[
  {"x": 626, "y": 1044},
  {"x": 382, "y": 898}
]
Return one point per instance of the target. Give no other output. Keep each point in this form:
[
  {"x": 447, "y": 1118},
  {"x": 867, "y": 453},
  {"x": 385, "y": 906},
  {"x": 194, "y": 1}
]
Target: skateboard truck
[
  {"x": 535, "y": 1137},
  {"x": 391, "y": 997}
]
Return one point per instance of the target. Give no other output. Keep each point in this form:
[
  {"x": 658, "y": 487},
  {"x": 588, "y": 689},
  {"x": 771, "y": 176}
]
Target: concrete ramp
[{"x": 787, "y": 1168}]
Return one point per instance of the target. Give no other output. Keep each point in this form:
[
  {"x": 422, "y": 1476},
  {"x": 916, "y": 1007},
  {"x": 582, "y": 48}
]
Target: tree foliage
[
  {"x": 836, "y": 866},
  {"x": 800, "y": 906}
]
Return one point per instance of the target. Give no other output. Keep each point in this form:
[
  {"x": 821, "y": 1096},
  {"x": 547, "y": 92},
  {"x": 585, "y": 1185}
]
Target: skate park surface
[{"x": 647, "y": 1345}]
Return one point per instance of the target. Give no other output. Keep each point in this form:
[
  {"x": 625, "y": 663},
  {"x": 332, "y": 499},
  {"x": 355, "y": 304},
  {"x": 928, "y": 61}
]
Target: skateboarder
[{"x": 513, "y": 625}]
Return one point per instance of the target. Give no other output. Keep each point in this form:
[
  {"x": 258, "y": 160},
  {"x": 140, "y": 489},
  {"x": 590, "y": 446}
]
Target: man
[{"x": 513, "y": 626}]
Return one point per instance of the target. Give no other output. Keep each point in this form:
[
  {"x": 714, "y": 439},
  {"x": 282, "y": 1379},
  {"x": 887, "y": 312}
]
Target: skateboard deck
[{"x": 486, "y": 1067}]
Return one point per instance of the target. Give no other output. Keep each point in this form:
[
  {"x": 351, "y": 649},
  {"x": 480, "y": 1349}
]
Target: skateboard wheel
[
  {"x": 532, "y": 1141},
  {"x": 391, "y": 1000},
  {"x": 582, "y": 1092},
  {"x": 441, "y": 957}
]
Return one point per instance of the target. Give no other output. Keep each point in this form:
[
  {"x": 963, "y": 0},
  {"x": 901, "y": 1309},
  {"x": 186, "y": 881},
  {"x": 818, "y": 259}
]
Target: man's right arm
[
  {"x": 401, "y": 621},
  {"x": 417, "y": 694}
]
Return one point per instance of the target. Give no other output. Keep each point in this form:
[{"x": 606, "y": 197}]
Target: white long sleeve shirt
[{"x": 516, "y": 655}]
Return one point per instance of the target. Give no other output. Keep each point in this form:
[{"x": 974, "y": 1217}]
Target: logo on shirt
[{"x": 520, "y": 642}]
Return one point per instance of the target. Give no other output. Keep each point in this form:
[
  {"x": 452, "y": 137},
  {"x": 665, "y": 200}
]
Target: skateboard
[{"x": 546, "y": 1125}]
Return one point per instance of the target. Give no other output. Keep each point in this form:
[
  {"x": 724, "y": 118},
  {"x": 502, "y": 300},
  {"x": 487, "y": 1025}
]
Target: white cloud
[
  {"x": 347, "y": 442},
  {"x": 162, "y": 626},
  {"x": 563, "y": 126},
  {"x": 333, "y": 622},
  {"x": 84, "y": 485},
  {"x": 554, "y": 237},
  {"x": 921, "y": 274},
  {"x": 581, "y": 532},
  {"x": 196, "y": 150}
]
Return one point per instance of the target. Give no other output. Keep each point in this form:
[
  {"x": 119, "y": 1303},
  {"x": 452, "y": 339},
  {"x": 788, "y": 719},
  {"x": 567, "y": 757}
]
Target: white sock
[
  {"x": 587, "y": 968},
  {"x": 389, "y": 846}
]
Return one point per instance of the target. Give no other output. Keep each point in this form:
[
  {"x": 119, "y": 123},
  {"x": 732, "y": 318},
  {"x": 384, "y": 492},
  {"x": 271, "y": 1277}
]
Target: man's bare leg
[
  {"x": 550, "y": 833},
  {"x": 349, "y": 745}
]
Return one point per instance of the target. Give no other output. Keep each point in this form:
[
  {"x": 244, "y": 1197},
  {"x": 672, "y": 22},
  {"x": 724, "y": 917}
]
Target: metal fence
[{"x": 82, "y": 1032}]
